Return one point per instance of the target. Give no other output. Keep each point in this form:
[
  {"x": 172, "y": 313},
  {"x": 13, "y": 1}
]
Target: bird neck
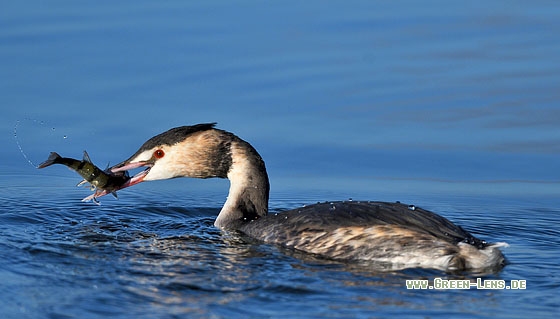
[{"x": 249, "y": 187}]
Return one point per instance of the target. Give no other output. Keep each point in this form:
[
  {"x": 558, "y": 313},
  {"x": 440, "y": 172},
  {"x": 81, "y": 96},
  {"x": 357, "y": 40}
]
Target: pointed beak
[{"x": 136, "y": 179}]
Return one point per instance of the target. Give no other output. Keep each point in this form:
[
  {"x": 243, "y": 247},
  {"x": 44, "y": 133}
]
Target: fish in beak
[
  {"x": 178, "y": 152},
  {"x": 102, "y": 181},
  {"x": 123, "y": 167}
]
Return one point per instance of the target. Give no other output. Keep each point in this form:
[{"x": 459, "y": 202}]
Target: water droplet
[
  {"x": 411, "y": 207},
  {"x": 65, "y": 137},
  {"x": 350, "y": 199}
]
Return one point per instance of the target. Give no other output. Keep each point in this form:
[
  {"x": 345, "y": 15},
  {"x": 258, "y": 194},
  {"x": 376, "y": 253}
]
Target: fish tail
[{"x": 54, "y": 158}]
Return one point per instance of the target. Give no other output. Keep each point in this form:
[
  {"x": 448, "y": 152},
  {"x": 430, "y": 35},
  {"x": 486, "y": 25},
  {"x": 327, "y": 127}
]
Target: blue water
[{"x": 451, "y": 107}]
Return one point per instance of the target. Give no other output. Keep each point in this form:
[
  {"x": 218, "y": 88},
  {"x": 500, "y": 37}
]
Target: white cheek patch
[
  {"x": 159, "y": 171},
  {"x": 165, "y": 168}
]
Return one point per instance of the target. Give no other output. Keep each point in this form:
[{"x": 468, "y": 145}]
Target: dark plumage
[
  {"x": 173, "y": 136},
  {"x": 333, "y": 215}
]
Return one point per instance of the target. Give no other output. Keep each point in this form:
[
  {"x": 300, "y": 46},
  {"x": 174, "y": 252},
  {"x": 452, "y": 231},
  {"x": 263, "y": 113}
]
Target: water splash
[
  {"x": 35, "y": 122},
  {"x": 19, "y": 145}
]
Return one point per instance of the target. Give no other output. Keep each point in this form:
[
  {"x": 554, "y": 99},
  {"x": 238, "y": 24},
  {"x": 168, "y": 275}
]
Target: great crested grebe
[{"x": 391, "y": 234}]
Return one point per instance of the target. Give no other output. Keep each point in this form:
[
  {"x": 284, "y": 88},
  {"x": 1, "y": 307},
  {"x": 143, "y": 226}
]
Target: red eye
[{"x": 159, "y": 154}]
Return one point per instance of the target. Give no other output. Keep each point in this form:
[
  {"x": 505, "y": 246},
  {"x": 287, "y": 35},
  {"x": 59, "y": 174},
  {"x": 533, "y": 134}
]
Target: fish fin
[
  {"x": 81, "y": 183},
  {"x": 89, "y": 198},
  {"x": 86, "y": 157},
  {"x": 92, "y": 198},
  {"x": 53, "y": 159},
  {"x": 115, "y": 195}
]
